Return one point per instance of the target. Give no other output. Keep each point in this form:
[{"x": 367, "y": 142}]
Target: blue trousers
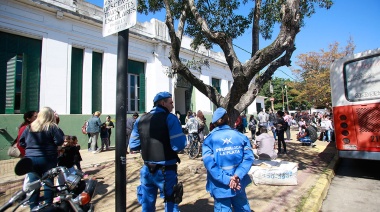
[
  {"x": 40, "y": 166},
  {"x": 239, "y": 203},
  {"x": 150, "y": 183},
  {"x": 327, "y": 136}
]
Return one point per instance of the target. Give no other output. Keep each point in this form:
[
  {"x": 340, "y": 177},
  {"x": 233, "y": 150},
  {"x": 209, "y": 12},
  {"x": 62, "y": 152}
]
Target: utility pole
[
  {"x": 282, "y": 91},
  {"x": 271, "y": 91},
  {"x": 287, "y": 100}
]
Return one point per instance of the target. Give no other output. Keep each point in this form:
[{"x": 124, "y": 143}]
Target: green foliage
[
  {"x": 221, "y": 16},
  {"x": 315, "y": 74},
  {"x": 225, "y": 16},
  {"x": 271, "y": 13}
]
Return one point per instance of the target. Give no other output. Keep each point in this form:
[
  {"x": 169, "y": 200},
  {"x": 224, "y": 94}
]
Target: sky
[{"x": 359, "y": 20}]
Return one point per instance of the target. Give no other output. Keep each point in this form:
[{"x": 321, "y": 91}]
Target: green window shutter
[
  {"x": 142, "y": 92},
  {"x": 30, "y": 83},
  {"x": 28, "y": 60},
  {"x": 10, "y": 86},
  {"x": 76, "y": 81},
  {"x": 97, "y": 63}
]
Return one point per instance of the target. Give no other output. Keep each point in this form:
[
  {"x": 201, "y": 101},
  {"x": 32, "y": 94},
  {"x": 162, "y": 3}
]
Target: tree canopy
[
  {"x": 314, "y": 86},
  {"x": 218, "y": 22}
]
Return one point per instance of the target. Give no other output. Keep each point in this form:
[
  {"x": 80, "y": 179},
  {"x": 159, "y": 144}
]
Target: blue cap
[
  {"x": 162, "y": 95},
  {"x": 218, "y": 114}
]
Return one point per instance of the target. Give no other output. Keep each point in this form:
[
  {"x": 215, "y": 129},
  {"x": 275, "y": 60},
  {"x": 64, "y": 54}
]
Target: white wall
[{"x": 60, "y": 35}]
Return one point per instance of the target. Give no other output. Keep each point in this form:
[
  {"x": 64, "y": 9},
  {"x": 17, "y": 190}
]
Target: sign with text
[{"x": 118, "y": 15}]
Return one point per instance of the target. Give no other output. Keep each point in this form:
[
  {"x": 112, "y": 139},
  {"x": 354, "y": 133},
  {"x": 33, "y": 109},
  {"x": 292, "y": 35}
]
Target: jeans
[
  {"x": 40, "y": 166},
  {"x": 288, "y": 133},
  {"x": 253, "y": 134},
  {"x": 239, "y": 203},
  {"x": 93, "y": 140},
  {"x": 328, "y": 135},
  {"x": 274, "y": 133},
  {"x": 150, "y": 183}
]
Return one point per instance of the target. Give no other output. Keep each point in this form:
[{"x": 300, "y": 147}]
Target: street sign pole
[
  {"x": 121, "y": 111},
  {"x": 119, "y": 16}
]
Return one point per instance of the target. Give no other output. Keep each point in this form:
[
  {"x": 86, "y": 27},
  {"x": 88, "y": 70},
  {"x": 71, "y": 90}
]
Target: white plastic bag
[{"x": 282, "y": 173}]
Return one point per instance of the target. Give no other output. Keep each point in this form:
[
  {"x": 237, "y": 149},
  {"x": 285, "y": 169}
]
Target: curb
[{"x": 318, "y": 193}]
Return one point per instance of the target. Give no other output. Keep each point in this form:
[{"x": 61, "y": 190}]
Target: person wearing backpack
[
  {"x": 93, "y": 129},
  {"x": 252, "y": 126}
]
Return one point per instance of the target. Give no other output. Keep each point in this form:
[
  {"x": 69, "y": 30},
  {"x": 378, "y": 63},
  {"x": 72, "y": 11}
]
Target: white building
[{"x": 52, "y": 53}]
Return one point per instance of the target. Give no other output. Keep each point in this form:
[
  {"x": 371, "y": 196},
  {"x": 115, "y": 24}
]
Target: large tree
[
  {"x": 218, "y": 22},
  {"x": 314, "y": 86}
]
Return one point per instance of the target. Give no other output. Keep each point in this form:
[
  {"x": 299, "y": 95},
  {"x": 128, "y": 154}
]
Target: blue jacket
[
  {"x": 226, "y": 152},
  {"x": 177, "y": 138},
  {"x": 44, "y": 143},
  {"x": 94, "y": 124}
]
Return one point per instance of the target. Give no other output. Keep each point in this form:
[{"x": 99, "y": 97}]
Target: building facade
[{"x": 53, "y": 54}]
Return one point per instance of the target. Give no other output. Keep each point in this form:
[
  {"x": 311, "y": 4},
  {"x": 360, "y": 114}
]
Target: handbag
[{"x": 13, "y": 150}]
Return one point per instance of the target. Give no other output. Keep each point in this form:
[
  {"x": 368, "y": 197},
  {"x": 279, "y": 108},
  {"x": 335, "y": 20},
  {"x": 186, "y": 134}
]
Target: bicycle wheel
[{"x": 194, "y": 149}]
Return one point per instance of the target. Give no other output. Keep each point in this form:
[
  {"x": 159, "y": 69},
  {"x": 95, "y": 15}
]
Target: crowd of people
[
  {"x": 43, "y": 141},
  {"x": 227, "y": 153}
]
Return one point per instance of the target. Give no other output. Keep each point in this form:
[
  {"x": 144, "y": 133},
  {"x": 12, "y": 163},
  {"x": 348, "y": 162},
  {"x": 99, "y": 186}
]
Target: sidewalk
[{"x": 314, "y": 175}]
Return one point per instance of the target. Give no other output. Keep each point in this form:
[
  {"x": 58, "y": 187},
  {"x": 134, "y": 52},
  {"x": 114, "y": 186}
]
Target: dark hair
[
  {"x": 280, "y": 113},
  {"x": 263, "y": 130},
  {"x": 67, "y": 137},
  {"x": 251, "y": 117},
  {"x": 28, "y": 115},
  {"x": 222, "y": 121}
]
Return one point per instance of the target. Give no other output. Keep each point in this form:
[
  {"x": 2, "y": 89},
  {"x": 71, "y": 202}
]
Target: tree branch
[
  {"x": 289, "y": 28},
  {"x": 256, "y": 27},
  {"x": 219, "y": 38}
]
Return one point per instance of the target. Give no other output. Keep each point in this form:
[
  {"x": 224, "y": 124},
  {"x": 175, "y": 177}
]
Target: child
[
  {"x": 104, "y": 137},
  {"x": 67, "y": 157},
  {"x": 77, "y": 157}
]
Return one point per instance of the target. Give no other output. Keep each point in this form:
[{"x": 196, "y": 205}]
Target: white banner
[{"x": 118, "y": 15}]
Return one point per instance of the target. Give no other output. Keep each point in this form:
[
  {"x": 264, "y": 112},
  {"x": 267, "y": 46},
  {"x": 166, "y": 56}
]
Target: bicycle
[{"x": 194, "y": 147}]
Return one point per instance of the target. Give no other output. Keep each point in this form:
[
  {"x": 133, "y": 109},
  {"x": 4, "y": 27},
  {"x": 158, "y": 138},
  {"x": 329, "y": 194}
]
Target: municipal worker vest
[{"x": 154, "y": 138}]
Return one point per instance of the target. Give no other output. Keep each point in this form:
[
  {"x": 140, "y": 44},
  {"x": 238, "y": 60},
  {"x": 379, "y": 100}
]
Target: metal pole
[
  {"x": 282, "y": 91},
  {"x": 121, "y": 111},
  {"x": 287, "y": 100}
]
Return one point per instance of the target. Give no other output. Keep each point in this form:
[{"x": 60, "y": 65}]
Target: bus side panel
[{"x": 361, "y": 127}]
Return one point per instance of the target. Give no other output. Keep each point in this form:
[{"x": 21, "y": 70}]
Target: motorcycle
[{"x": 73, "y": 194}]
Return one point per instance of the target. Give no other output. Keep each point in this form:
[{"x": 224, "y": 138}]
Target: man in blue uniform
[
  {"x": 158, "y": 134},
  {"x": 227, "y": 156}
]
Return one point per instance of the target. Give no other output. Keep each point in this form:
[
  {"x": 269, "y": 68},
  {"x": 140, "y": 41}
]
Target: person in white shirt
[
  {"x": 265, "y": 145},
  {"x": 288, "y": 118},
  {"x": 326, "y": 125},
  {"x": 263, "y": 118}
]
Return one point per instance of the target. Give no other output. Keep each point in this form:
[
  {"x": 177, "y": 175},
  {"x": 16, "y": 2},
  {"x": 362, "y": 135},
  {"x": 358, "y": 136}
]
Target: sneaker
[
  {"x": 94, "y": 152},
  {"x": 99, "y": 150},
  {"x": 313, "y": 145}
]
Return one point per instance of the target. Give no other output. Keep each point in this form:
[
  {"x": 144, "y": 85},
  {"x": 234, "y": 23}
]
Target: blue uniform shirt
[
  {"x": 226, "y": 152},
  {"x": 177, "y": 138}
]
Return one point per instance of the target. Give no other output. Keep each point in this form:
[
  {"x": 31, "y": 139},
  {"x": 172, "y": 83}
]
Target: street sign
[
  {"x": 119, "y": 15},
  {"x": 272, "y": 99}
]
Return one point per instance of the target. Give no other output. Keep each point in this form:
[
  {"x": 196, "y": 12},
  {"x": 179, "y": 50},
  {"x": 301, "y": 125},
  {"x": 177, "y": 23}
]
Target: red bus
[{"x": 355, "y": 95}]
